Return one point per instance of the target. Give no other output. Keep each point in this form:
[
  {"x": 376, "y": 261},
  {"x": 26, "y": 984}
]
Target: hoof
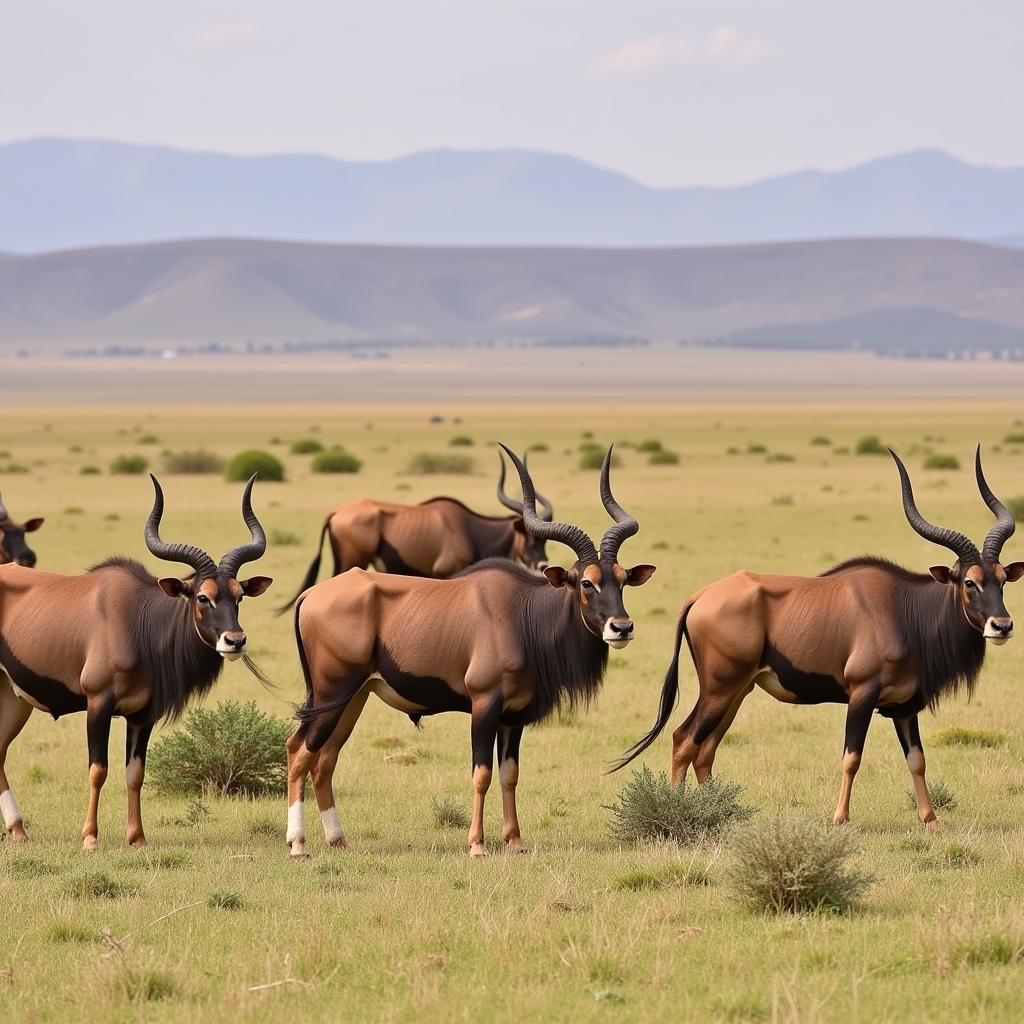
[
  {"x": 515, "y": 846},
  {"x": 91, "y": 843},
  {"x": 933, "y": 825},
  {"x": 841, "y": 819},
  {"x": 298, "y": 856},
  {"x": 340, "y": 843},
  {"x": 138, "y": 844},
  {"x": 297, "y": 849},
  {"x": 477, "y": 850},
  {"x": 18, "y": 833}
]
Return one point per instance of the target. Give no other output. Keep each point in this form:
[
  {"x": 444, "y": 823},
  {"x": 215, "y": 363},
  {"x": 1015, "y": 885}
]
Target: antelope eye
[
  {"x": 203, "y": 599},
  {"x": 971, "y": 585},
  {"x": 587, "y": 585}
]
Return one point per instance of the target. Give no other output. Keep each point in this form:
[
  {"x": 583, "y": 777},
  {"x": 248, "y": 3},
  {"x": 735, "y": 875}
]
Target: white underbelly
[
  {"x": 391, "y": 697},
  {"x": 769, "y": 682},
  {"x": 26, "y": 698}
]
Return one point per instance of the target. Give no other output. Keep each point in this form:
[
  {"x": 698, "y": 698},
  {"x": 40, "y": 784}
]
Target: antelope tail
[
  {"x": 311, "y": 573},
  {"x": 669, "y": 696}
]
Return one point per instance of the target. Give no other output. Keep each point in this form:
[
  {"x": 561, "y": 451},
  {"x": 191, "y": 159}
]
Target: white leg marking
[
  {"x": 332, "y": 825},
  {"x": 296, "y": 821},
  {"x": 9, "y": 809}
]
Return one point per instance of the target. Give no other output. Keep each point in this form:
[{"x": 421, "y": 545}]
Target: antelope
[
  {"x": 118, "y": 641},
  {"x": 506, "y": 645},
  {"x": 12, "y": 539},
  {"x": 867, "y": 633},
  {"x": 437, "y": 538}
]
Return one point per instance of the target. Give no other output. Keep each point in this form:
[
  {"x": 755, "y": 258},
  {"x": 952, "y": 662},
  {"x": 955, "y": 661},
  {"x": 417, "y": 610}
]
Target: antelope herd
[{"x": 466, "y": 613}]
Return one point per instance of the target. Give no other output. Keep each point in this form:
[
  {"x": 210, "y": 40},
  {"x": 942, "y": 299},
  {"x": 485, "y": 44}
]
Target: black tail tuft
[
  {"x": 311, "y": 573},
  {"x": 669, "y": 696}
]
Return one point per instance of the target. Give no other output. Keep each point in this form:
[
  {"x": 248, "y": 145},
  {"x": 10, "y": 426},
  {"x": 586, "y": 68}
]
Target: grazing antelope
[
  {"x": 867, "y": 633},
  {"x": 499, "y": 642},
  {"x": 113, "y": 642},
  {"x": 12, "y": 539},
  {"x": 437, "y": 538}
]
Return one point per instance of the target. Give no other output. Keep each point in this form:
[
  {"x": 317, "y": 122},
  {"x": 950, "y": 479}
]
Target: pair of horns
[
  {"x": 547, "y": 512},
  {"x": 203, "y": 564},
  {"x": 572, "y": 536},
  {"x": 963, "y": 547}
]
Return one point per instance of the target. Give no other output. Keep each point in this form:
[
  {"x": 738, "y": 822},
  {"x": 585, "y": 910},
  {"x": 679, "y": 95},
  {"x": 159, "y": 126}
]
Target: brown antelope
[
  {"x": 437, "y": 538},
  {"x": 867, "y": 633},
  {"x": 118, "y": 641},
  {"x": 505, "y": 645},
  {"x": 12, "y": 539}
]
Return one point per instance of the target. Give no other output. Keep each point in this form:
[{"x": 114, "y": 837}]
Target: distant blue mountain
[{"x": 64, "y": 193}]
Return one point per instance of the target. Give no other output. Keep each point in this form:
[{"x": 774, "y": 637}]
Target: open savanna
[{"x": 404, "y": 926}]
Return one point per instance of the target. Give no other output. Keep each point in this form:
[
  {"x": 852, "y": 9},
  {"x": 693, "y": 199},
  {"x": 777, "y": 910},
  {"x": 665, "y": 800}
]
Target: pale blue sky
[{"x": 670, "y": 93}]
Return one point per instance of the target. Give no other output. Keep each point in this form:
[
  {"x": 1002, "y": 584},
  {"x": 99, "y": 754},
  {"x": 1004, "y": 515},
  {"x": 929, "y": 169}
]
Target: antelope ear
[
  {"x": 33, "y": 524},
  {"x": 173, "y": 587},
  {"x": 518, "y": 525},
  {"x": 639, "y": 575},
  {"x": 256, "y": 586},
  {"x": 557, "y": 576},
  {"x": 1014, "y": 571},
  {"x": 941, "y": 573}
]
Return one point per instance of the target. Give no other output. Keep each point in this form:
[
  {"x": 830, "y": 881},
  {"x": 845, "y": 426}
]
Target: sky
[{"x": 672, "y": 94}]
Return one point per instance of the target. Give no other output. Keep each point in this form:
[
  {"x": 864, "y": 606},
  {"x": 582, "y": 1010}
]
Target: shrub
[
  {"x": 796, "y": 867},
  {"x": 244, "y": 464},
  {"x": 461, "y": 441},
  {"x": 664, "y": 877},
  {"x": 449, "y": 814},
  {"x": 942, "y": 796},
  {"x": 650, "y": 809},
  {"x": 593, "y": 458},
  {"x": 939, "y": 461},
  {"x": 650, "y": 445},
  {"x": 663, "y": 458},
  {"x": 230, "y": 749},
  {"x": 430, "y": 463},
  {"x": 870, "y": 445},
  {"x": 148, "y": 439},
  {"x": 961, "y": 736},
  {"x": 821, "y": 440},
  {"x": 538, "y": 446},
  {"x": 129, "y": 465},
  {"x": 284, "y": 538},
  {"x": 1017, "y": 437},
  {"x": 90, "y": 471},
  {"x": 306, "y": 446},
  {"x": 224, "y": 899},
  {"x": 197, "y": 461},
  {"x": 98, "y": 884},
  {"x": 780, "y": 457},
  {"x": 756, "y": 449},
  {"x": 335, "y": 460}
]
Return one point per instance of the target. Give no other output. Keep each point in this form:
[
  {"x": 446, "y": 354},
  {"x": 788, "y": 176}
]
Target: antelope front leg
[
  {"x": 508, "y": 776},
  {"x": 484, "y": 733},
  {"x": 909, "y": 734},
  {"x": 858, "y": 717},
  {"x": 136, "y": 745},
  {"x": 99, "y": 712},
  {"x": 300, "y": 760},
  {"x": 14, "y": 713}
]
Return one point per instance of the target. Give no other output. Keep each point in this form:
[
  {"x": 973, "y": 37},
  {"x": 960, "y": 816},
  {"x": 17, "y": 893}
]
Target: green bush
[
  {"x": 961, "y": 736},
  {"x": 779, "y": 457},
  {"x": 224, "y": 899},
  {"x": 335, "y": 460},
  {"x": 1017, "y": 437},
  {"x": 129, "y": 465},
  {"x": 821, "y": 440},
  {"x": 593, "y": 458},
  {"x": 870, "y": 445},
  {"x": 756, "y": 449},
  {"x": 538, "y": 446},
  {"x": 938, "y": 461},
  {"x": 797, "y": 867},
  {"x": 244, "y": 464},
  {"x": 942, "y": 796},
  {"x": 650, "y": 445},
  {"x": 148, "y": 439},
  {"x": 649, "y": 809},
  {"x": 449, "y": 814},
  {"x": 462, "y": 441},
  {"x": 230, "y": 749},
  {"x": 306, "y": 446},
  {"x": 663, "y": 458},
  {"x": 284, "y": 538},
  {"x": 90, "y": 471},
  {"x": 197, "y": 461},
  {"x": 431, "y": 463}
]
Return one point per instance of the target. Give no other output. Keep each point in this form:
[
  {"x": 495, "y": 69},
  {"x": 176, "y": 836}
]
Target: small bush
[
  {"x": 870, "y": 445},
  {"x": 461, "y": 441},
  {"x": 431, "y": 463},
  {"x": 129, "y": 465},
  {"x": 148, "y": 439},
  {"x": 650, "y": 445},
  {"x": 649, "y": 809},
  {"x": 663, "y": 458},
  {"x": 820, "y": 440},
  {"x": 284, "y": 538},
  {"x": 796, "y": 867},
  {"x": 961, "y": 736},
  {"x": 143, "y": 983},
  {"x": 939, "y": 461},
  {"x": 306, "y": 446},
  {"x": 667, "y": 876},
  {"x": 336, "y": 460},
  {"x": 1017, "y": 437},
  {"x": 538, "y": 446},
  {"x": 197, "y": 461},
  {"x": 756, "y": 449},
  {"x": 989, "y": 948},
  {"x": 90, "y": 471},
  {"x": 449, "y": 814},
  {"x": 244, "y": 464},
  {"x": 780, "y": 457},
  {"x": 97, "y": 884},
  {"x": 942, "y": 796},
  {"x": 224, "y": 899},
  {"x": 64, "y": 933},
  {"x": 233, "y": 748},
  {"x": 593, "y": 458}
]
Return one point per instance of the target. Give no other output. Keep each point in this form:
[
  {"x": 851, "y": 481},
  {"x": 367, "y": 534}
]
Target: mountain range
[
  {"x": 893, "y": 294},
  {"x": 60, "y": 193}
]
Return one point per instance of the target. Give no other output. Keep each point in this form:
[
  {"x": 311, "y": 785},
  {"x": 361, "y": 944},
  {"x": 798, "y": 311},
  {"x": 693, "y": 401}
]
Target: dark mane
[
  {"x": 949, "y": 653},
  {"x": 505, "y": 565},
  {"x": 466, "y": 508},
  {"x": 170, "y": 654}
]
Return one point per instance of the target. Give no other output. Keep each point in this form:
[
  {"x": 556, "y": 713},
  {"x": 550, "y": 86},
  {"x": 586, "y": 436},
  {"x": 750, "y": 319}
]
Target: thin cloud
[
  {"x": 724, "y": 48},
  {"x": 226, "y": 36}
]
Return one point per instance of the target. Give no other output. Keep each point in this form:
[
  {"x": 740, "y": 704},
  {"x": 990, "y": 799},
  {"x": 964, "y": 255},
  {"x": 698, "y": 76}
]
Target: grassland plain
[{"x": 404, "y": 926}]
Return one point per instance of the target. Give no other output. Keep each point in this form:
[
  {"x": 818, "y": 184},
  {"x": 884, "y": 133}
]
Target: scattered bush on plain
[
  {"x": 461, "y": 441},
  {"x": 432, "y": 463},
  {"x": 939, "y": 461},
  {"x": 663, "y": 457},
  {"x": 244, "y": 464},
  {"x": 196, "y": 461},
  {"x": 593, "y": 458},
  {"x": 449, "y": 814},
  {"x": 306, "y": 446},
  {"x": 870, "y": 445},
  {"x": 129, "y": 465},
  {"x": 962, "y": 736},
  {"x": 335, "y": 460}
]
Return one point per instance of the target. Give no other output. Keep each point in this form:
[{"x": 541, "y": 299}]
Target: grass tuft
[
  {"x": 449, "y": 813},
  {"x": 942, "y": 796},
  {"x": 940, "y": 461},
  {"x": 432, "y": 463},
  {"x": 129, "y": 465},
  {"x": 224, "y": 899},
  {"x": 666, "y": 877},
  {"x": 962, "y": 736},
  {"x": 98, "y": 885},
  {"x": 870, "y": 445},
  {"x": 662, "y": 457},
  {"x": 461, "y": 441},
  {"x": 194, "y": 461}
]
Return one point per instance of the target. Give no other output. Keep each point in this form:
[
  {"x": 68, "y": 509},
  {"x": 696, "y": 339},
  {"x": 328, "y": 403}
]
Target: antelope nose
[
  {"x": 622, "y": 626},
  {"x": 236, "y": 640},
  {"x": 1004, "y": 626}
]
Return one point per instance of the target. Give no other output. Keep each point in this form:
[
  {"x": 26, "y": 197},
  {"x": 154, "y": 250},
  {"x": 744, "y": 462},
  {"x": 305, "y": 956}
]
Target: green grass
[
  {"x": 940, "y": 461},
  {"x": 404, "y": 926},
  {"x": 962, "y": 736}
]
